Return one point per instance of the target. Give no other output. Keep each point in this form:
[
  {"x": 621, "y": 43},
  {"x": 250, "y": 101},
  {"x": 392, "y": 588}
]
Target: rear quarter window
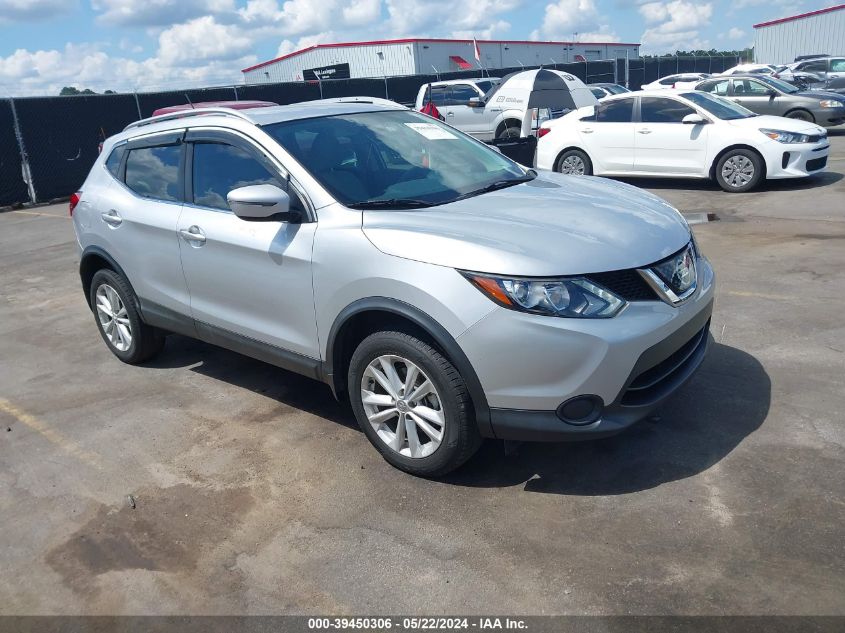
[{"x": 113, "y": 161}]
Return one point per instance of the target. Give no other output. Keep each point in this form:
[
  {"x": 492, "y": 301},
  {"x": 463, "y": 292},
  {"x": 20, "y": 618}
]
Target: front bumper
[
  {"x": 796, "y": 160},
  {"x": 528, "y": 365}
]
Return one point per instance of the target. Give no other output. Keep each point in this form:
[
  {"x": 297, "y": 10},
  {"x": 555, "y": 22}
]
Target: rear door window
[
  {"x": 153, "y": 172},
  {"x": 837, "y": 65},
  {"x": 617, "y": 111},
  {"x": 719, "y": 88},
  {"x": 439, "y": 95}
]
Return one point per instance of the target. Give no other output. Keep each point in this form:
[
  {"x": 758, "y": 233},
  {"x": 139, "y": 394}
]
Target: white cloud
[
  {"x": 87, "y": 66},
  {"x": 31, "y": 10},
  {"x": 287, "y": 46},
  {"x": 564, "y": 18},
  {"x": 408, "y": 18},
  {"x": 202, "y": 39},
  {"x": 494, "y": 31},
  {"x": 156, "y": 12},
  {"x": 674, "y": 25},
  {"x": 735, "y": 33}
]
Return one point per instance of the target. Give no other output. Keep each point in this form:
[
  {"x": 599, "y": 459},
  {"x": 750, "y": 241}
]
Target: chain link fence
[{"x": 48, "y": 144}]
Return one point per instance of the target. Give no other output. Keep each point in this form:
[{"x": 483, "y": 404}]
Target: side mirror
[
  {"x": 693, "y": 119},
  {"x": 772, "y": 93},
  {"x": 476, "y": 102},
  {"x": 261, "y": 202}
]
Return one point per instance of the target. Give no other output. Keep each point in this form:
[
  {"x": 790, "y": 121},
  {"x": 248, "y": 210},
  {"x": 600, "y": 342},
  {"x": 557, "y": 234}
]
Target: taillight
[
  {"x": 74, "y": 200},
  {"x": 99, "y": 148},
  {"x": 543, "y": 131}
]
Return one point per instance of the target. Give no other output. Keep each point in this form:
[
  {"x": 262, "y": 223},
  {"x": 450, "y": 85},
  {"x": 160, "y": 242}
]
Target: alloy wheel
[
  {"x": 738, "y": 171},
  {"x": 572, "y": 166},
  {"x": 113, "y": 318},
  {"x": 403, "y": 406}
]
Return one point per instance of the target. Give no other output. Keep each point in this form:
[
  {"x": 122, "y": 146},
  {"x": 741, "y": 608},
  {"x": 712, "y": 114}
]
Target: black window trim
[{"x": 250, "y": 146}]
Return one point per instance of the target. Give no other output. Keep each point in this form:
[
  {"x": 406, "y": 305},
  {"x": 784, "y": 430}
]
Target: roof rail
[{"x": 187, "y": 113}]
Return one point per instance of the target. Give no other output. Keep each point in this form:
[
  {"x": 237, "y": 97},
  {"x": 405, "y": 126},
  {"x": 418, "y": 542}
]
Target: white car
[
  {"x": 669, "y": 82},
  {"x": 688, "y": 134},
  {"x": 751, "y": 69}
]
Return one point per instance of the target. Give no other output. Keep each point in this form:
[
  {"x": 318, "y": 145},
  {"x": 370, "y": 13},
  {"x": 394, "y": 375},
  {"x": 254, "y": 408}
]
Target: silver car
[{"x": 447, "y": 292}]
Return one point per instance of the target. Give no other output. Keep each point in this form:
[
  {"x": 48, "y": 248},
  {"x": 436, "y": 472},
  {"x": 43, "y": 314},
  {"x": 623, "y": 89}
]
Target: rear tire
[
  {"x": 574, "y": 162},
  {"x": 423, "y": 390},
  {"x": 801, "y": 115},
  {"x": 118, "y": 319},
  {"x": 739, "y": 170}
]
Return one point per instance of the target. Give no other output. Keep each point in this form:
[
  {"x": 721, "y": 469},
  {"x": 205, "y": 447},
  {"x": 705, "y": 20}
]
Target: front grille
[
  {"x": 626, "y": 284},
  {"x": 656, "y": 382},
  {"x": 816, "y": 163}
]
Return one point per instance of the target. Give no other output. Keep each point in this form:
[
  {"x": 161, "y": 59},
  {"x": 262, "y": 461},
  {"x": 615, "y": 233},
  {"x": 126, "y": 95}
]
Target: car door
[
  {"x": 608, "y": 135},
  {"x": 465, "y": 117},
  {"x": 837, "y": 68},
  {"x": 758, "y": 97},
  {"x": 250, "y": 278},
  {"x": 139, "y": 212},
  {"x": 666, "y": 145}
]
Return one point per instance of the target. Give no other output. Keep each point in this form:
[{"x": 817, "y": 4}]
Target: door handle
[
  {"x": 644, "y": 131},
  {"x": 450, "y": 114},
  {"x": 587, "y": 130},
  {"x": 112, "y": 218},
  {"x": 193, "y": 234}
]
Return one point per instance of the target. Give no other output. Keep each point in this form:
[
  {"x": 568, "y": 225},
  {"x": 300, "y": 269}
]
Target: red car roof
[{"x": 234, "y": 105}]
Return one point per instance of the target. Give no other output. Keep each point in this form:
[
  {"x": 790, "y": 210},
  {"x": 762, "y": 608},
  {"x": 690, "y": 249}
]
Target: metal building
[
  {"x": 817, "y": 32},
  {"x": 386, "y": 58}
]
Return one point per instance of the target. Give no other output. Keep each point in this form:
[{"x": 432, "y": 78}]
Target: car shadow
[
  {"x": 824, "y": 179},
  {"x": 286, "y": 387},
  {"x": 727, "y": 400}
]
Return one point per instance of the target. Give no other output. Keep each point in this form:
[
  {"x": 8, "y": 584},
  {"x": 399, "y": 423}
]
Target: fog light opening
[{"x": 581, "y": 410}]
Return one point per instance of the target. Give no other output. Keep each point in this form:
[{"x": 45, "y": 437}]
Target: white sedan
[
  {"x": 688, "y": 134},
  {"x": 670, "y": 81}
]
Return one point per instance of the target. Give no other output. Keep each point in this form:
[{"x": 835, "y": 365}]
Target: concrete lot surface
[{"x": 256, "y": 493}]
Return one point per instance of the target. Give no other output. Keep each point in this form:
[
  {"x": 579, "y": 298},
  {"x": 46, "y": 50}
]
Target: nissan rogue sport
[{"x": 449, "y": 293}]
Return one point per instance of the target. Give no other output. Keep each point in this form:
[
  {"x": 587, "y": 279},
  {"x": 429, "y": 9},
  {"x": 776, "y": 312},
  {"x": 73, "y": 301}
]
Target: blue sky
[{"x": 155, "y": 44}]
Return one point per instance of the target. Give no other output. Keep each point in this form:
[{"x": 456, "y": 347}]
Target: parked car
[
  {"x": 447, "y": 292},
  {"x": 750, "y": 69},
  {"x": 802, "y": 80},
  {"x": 602, "y": 90},
  {"x": 667, "y": 83},
  {"x": 688, "y": 134},
  {"x": 462, "y": 104},
  {"x": 826, "y": 67},
  {"x": 767, "y": 95}
]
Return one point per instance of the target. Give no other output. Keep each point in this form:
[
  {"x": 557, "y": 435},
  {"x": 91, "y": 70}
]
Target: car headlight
[
  {"x": 575, "y": 297},
  {"x": 782, "y": 136},
  {"x": 831, "y": 103}
]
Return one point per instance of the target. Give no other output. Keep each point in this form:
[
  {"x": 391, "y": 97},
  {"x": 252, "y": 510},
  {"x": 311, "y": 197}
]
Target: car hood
[
  {"x": 553, "y": 225},
  {"x": 818, "y": 94},
  {"x": 778, "y": 123}
]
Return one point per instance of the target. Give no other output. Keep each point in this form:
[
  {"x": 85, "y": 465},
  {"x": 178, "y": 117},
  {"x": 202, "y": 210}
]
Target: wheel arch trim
[
  {"x": 432, "y": 328},
  {"x": 96, "y": 251}
]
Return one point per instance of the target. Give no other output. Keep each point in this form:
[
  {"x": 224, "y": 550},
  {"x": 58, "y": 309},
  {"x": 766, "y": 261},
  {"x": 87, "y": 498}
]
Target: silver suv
[{"x": 447, "y": 292}]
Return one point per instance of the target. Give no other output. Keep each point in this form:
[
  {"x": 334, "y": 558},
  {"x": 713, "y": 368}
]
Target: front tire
[
  {"x": 574, "y": 162},
  {"x": 739, "y": 170},
  {"x": 412, "y": 404},
  {"x": 118, "y": 320},
  {"x": 801, "y": 115}
]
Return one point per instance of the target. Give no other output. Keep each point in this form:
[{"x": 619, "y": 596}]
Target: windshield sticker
[{"x": 431, "y": 131}]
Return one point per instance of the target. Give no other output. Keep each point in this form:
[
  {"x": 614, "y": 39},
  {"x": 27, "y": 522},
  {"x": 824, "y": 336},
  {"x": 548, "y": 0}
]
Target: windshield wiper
[
  {"x": 499, "y": 184},
  {"x": 390, "y": 203}
]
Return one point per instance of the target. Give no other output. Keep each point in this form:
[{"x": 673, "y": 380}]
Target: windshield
[
  {"x": 616, "y": 89},
  {"x": 717, "y": 106},
  {"x": 394, "y": 159},
  {"x": 780, "y": 85}
]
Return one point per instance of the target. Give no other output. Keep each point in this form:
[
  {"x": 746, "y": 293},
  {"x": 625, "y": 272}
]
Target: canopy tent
[{"x": 541, "y": 88}]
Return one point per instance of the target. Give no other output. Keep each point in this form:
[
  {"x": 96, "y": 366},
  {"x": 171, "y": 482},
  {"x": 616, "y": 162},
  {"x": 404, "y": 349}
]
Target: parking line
[
  {"x": 758, "y": 295},
  {"x": 45, "y": 215},
  {"x": 68, "y": 446}
]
